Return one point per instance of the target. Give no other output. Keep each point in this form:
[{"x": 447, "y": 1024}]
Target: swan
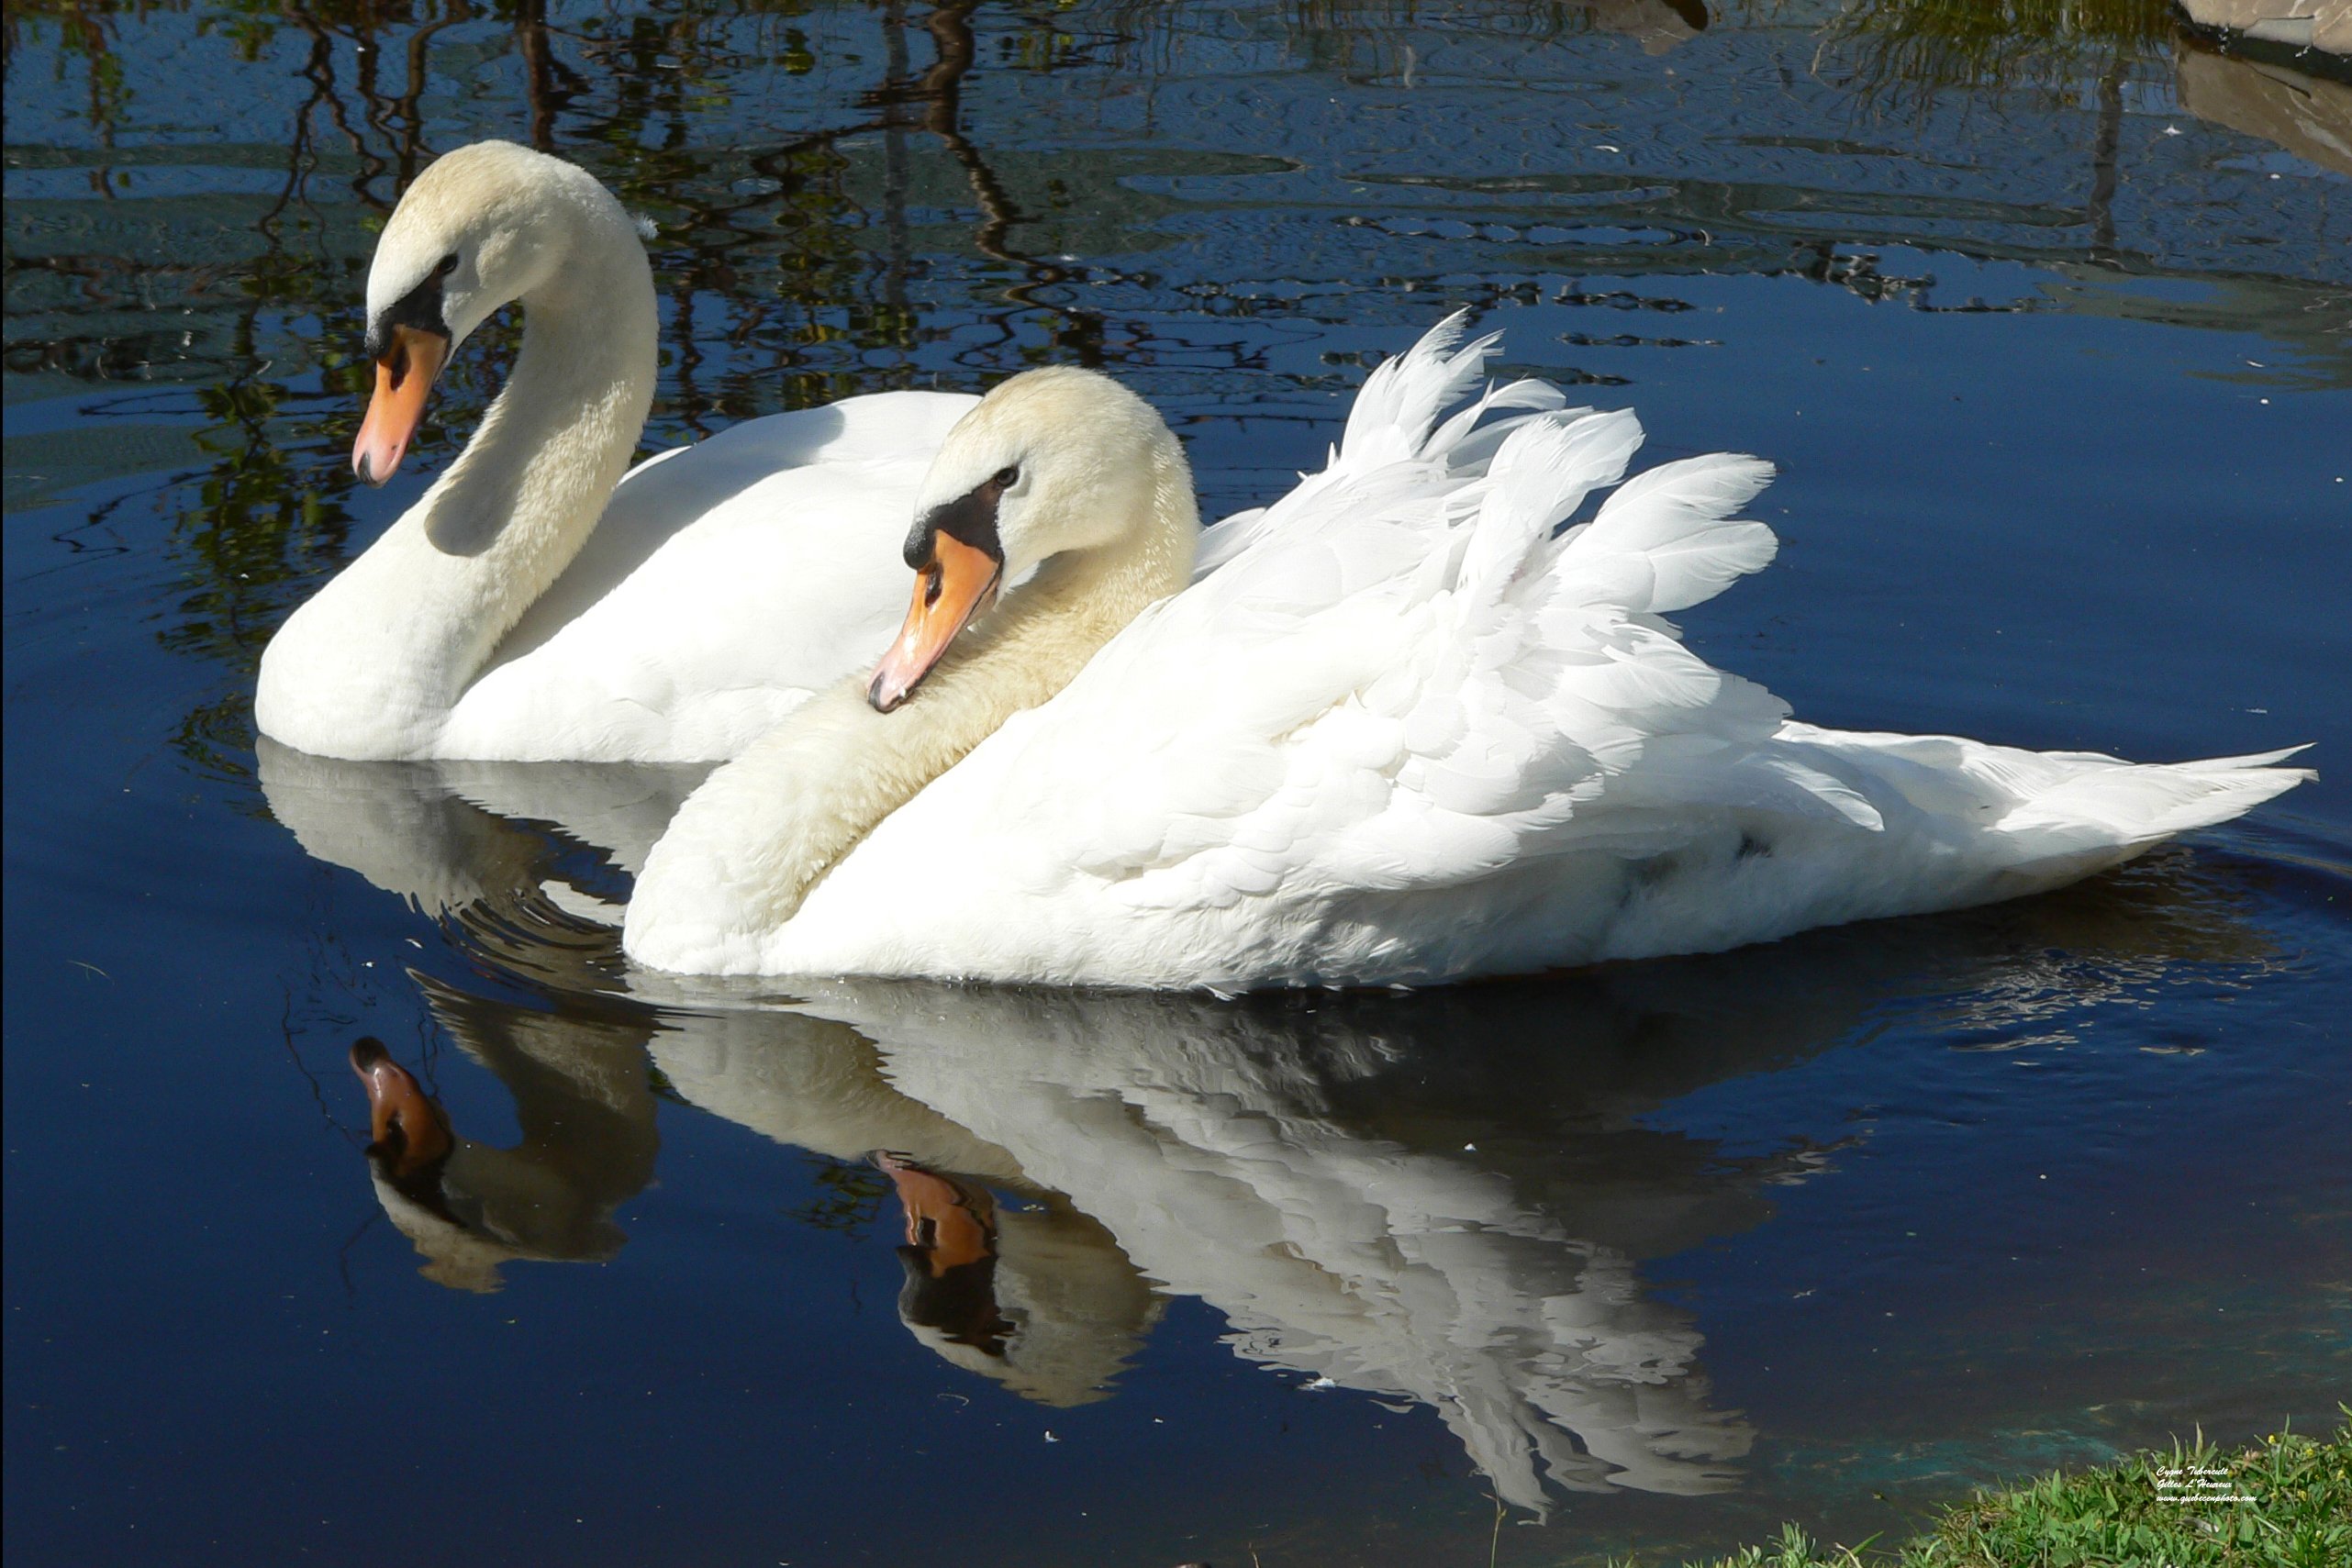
[
  {"x": 1403, "y": 728},
  {"x": 527, "y": 609}
]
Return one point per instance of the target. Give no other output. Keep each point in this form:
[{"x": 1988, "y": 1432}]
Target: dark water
[{"x": 2047, "y": 314}]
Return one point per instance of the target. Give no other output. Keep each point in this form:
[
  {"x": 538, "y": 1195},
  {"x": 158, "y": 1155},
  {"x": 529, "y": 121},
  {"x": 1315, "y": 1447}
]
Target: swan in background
[
  {"x": 1403, "y": 727},
  {"x": 526, "y": 608}
]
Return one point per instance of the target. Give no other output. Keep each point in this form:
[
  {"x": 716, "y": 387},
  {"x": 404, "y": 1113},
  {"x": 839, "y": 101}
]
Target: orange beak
[
  {"x": 403, "y": 378},
  {"x": 396, "y": 1101},
  {"x": 959, "y": 584},
  {"x": 952, "y": 1222}
]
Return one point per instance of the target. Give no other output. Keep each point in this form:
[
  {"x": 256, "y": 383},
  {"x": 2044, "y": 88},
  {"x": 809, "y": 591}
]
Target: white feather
[
  {"x": 537, "y": 604},
  {"x": 1406, "y": 730}
]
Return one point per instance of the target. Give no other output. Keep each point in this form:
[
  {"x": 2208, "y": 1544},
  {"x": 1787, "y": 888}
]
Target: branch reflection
[{"x": 839, "y": 207}]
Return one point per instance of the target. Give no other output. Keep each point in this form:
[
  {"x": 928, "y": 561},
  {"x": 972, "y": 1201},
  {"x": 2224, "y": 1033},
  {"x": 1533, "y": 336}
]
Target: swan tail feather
[
  {"x": 2252, "y": 760},
  {"x": 1419, "y": 679},
  {"x": 1393, "y": 415},
  {"x": 2139, "y": 805}
]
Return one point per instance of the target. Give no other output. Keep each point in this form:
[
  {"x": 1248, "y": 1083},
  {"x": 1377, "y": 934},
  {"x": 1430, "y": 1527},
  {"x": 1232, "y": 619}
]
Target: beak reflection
[
  {"x": 950, "y": 1255},
  {"x": 407, "y": 1133}
]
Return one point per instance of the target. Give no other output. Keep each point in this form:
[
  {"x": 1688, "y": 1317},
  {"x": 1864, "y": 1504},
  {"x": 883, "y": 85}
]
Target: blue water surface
[{"x": 2048, "y": 328}]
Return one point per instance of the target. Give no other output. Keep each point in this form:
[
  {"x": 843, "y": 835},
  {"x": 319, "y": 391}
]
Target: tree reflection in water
[{"x": 795, "y": 270}]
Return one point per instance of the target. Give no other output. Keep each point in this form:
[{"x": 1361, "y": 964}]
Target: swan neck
[
  {"x": 373, "y": 663},
  {"x": 750, "y": 846},
  {"x": 523, "y": 496},
  {"x": 1044, "y": 634}
]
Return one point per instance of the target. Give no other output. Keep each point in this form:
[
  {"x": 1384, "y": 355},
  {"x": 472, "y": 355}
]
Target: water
[{"x": 2047, "y": 323}]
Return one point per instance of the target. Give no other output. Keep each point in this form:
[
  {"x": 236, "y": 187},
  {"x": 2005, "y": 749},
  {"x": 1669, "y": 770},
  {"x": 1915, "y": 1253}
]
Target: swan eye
[
  {"x": 448, "y": 265},
  {"x": 1006, "y": 478}
]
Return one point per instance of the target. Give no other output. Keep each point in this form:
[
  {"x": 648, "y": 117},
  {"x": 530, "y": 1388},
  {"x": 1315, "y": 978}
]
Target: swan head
[
  {"x": 1055, "y": 463},
  {"x": 480, "y": 228}
]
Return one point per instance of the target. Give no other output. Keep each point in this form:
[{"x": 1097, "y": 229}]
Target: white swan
[
  {"x": 1407, "y": 730},
  {"x": 527, "y": 609}
]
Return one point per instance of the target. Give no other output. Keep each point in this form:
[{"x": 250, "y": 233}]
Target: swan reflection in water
[
  {"x": 585, "y": 1110},
  {"x": 1441, "y": 1198},
  {"x": 2305, "y": 112},
  {"x": 1158, "y": 1146}
]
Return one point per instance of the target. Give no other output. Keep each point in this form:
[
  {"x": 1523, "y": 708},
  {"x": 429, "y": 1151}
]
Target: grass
[{"x": 2300, "y": 1516}]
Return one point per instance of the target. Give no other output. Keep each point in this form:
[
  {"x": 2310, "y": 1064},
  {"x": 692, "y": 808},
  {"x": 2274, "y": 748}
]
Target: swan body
[
  {"x": 536, "y": 604},
  {"x": 1403, "y": 728}
]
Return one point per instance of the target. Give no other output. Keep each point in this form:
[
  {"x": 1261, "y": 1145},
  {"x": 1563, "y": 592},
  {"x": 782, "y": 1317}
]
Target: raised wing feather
[
  {"x": 1398, "y": 679},
  {"x": 1407, "y": 726}
]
